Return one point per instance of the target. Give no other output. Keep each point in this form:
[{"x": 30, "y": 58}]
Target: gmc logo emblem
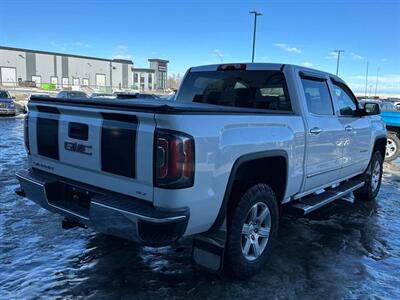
[{"x": 79, "y": 148}]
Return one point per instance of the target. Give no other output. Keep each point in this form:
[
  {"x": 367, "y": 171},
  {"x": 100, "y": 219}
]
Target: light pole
[
  {"x": 366, "y": 81},
  {"x": 256, "y": 14},
  {"x": 338, "y": 60},
  {"x": 376, "y": 83}
]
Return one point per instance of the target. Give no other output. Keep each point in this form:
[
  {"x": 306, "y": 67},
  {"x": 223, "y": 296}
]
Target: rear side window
[
  {"x": 318, "y": 98},
  {"x": 249, "y": 89}
]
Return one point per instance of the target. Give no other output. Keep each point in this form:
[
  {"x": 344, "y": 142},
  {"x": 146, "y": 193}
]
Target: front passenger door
[{"x": 357, "y": 143}]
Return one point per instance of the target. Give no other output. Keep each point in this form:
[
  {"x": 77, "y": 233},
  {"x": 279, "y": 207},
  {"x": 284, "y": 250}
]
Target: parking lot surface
[{"x": 349, "y": 251}]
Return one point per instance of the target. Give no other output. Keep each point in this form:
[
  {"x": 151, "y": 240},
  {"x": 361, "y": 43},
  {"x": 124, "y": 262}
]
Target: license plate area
[{"x": 71, "y": 198}]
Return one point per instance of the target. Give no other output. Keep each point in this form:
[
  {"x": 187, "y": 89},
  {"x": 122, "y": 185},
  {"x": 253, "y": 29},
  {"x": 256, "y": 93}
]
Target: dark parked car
[
  {"x": 7, "y": 105},
  {"x": 126, "y": 95},
  {"x": 72, "y": 94}
]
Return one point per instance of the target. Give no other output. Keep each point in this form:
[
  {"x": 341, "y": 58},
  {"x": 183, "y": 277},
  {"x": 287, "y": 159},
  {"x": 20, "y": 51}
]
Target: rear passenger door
[
  {"x": 324, "y": 133},
  {"x": 357, "y": 131}
]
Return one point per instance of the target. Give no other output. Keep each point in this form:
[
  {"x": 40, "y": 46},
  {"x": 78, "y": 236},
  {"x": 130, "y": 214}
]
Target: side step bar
[{"x": 311, "y": 203}]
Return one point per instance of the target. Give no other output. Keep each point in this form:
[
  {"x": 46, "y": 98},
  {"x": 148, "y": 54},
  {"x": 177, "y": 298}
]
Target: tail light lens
[
  {"x": 174, "y": 159},
  {"x": 26, "y": 134}
]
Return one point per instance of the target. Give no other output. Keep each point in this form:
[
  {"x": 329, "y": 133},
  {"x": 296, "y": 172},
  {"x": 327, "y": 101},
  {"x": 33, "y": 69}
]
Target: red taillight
[
  {"x": 174, "y": 165},
  {"x": 232, "y": 67},
  {"x": 26, "y": 133}
]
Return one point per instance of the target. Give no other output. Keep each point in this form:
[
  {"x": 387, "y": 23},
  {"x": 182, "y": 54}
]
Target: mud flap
[{"x": 209, "y": 249}]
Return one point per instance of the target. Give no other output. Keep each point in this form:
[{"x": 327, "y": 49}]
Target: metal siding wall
[
  {"x": 14, "y": 59},
  {"x": 55, "y": 65},
  {"x": 64, "y": 66},
  {"x": 30, "y": 59},
  {"x": 45, "y": 66},
  {"x": 125, "y": 75}
]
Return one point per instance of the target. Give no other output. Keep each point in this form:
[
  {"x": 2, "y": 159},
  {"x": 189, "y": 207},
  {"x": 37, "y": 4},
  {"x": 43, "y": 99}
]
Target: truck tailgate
[{"x": 108, "y": 148}]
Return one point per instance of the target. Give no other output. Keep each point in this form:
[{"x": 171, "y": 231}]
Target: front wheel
[
  {"x": 392, "y": 147},
  {"x": 372, "y": 178},
  {"x": 252, "y": 230}
]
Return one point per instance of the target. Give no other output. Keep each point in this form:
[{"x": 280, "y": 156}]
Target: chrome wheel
[
  {"x": 256, "y": 231},
  {"x": 376, "y": 174},
  {"x": 391, "y": 148}
]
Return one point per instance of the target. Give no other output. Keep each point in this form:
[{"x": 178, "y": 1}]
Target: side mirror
[{"x": 371, "y": 109}]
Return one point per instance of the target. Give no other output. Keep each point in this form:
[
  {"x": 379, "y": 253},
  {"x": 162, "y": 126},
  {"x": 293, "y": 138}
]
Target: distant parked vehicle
[
  {"x": 391, "y": 116},
  {"x": 102, "y": 95},
  {"x": 127, "y": 95},
  {"x": 72, "y": 94},
  {"x": 7, "y": 105}
]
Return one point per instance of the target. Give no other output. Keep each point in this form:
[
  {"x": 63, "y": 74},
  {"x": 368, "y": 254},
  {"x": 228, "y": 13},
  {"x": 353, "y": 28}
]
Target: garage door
[
  {"x": 100, "y": 80},
  {"x": 8, "y": 76}
]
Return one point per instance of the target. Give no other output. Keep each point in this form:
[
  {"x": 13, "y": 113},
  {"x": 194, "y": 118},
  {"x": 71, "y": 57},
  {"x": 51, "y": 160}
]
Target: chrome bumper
[{"x": 106, "y": 212}]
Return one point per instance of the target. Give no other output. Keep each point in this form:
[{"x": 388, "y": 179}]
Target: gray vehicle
[
  {"x": 7, "y": 105},
  {"x": 72, "y": 94}
]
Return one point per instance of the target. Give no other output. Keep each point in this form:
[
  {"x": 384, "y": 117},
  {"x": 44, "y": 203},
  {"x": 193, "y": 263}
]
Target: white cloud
[
  {"x": 356, "y": 56},
  {"x": 307, "y": 64},
  {"x": 218, "y": 54},
  {"x": 332, "y": 55},
  {"x": 122, "y": 52},
  {"x": 81, "y": 44},
  {"x": 389, "y": 83},
  {"x": 287, "y": 48}
]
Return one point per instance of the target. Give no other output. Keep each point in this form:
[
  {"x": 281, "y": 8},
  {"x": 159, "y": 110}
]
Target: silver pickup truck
[{"x": 219, "y": 163}]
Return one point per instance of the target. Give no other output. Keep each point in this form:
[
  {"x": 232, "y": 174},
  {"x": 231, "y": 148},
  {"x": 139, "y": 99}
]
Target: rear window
[{"x": 249, "y": 89}]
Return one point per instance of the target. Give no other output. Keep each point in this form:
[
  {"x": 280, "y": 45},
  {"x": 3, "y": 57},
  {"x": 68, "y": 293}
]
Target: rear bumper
[{"x": 109, "y": 213}]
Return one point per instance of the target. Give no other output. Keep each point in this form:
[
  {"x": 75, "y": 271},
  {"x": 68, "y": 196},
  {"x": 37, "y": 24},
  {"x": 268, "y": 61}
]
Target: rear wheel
[
  {"x": 252, "y": 230},
  {"x": 372, "y": 178},
  {"x": 392, "y": 147}
]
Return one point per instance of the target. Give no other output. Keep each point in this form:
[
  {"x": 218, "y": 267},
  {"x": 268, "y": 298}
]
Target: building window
[
  {"x": 150, "y": 78},
  {"x": 141, "y": 78},
  {"x": 135, "y": 77}
]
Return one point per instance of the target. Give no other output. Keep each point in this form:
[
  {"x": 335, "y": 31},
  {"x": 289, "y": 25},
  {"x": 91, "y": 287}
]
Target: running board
[{"x": 311, "y": 203}]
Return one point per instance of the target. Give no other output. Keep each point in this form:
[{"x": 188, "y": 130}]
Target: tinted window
[
  {"x": 4, "y": 95},
  {"x": 318, "y": 98},
  {"x": 346, "y": 103},
  {"x": 250, "y": 89}
]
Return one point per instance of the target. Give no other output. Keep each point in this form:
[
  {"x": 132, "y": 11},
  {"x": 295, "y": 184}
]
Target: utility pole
[
  {"x": 366, "y": 81},
  {"x": 376, "y": 83},
  {"x": 256, "y": 14},
  {"x": 338, "y": 60}
]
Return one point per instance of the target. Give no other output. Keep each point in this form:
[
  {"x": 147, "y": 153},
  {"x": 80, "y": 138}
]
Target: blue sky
[{"x": 189, "y": 32}]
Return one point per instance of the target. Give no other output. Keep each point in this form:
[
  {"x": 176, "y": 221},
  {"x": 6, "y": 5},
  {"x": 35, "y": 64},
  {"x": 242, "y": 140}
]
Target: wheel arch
[
  {"x": 380, "y": 145},
  {"x": 248, "y": 162}
]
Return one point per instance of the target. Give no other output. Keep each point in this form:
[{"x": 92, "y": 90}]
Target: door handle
[
  {"x": 315, "y": 130},
  {"x": 348, "y": 128}
]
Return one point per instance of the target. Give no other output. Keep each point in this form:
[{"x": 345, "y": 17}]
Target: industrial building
[{"x": 19, "y": 66}]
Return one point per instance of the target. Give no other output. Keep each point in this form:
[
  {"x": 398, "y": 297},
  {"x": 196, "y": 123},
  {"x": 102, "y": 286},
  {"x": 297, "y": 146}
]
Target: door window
[
  {"x": 347, "y": 105},
  {"x": 318, "y": 98}
]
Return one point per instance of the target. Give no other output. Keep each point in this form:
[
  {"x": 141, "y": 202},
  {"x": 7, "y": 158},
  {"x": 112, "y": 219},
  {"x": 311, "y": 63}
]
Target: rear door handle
[
  {"x": 348, "y": 128},
  {"x": 315, "y": 130}
]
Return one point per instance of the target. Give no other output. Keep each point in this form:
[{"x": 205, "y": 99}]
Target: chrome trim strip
[{"x": 151, "y": 219}]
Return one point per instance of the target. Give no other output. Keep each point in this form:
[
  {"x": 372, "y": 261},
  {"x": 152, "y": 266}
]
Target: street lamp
[
  {"x": 338, "y": 60},
  {"x": 256, "y": 14}
]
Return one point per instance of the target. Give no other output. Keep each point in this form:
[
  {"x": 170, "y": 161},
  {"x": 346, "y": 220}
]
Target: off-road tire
[
  {"x": 235, "y": 262},
  {"x": 393, "y": 138},
  {"x": 368, "y": 192}
]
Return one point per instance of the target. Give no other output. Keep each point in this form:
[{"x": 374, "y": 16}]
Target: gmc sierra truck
[{"x": 239, "y": 142}]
